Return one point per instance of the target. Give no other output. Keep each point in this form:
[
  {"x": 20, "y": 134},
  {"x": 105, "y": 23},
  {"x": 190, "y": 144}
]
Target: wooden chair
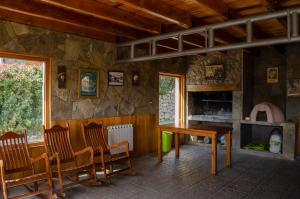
[
  {"x": 93, "y": 135},
  {"x": 58, "y": 147},
  {"x": 15, "y": 160}
]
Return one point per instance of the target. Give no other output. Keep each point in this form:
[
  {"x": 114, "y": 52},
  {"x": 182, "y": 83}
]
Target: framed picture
[
  {"x": 272, "y": 75},
  {"x": 214, "y": 72},
  {"x": 61, "y": 76},
  {"x": 135, "y": 78},
  {"x": 293, "y": 87},
  {"x": 88, "y": 84},
  {"x": 116, "y": 78}
]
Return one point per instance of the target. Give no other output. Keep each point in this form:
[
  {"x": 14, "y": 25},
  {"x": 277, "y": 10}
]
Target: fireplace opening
[{"x": 213, "y": 106}]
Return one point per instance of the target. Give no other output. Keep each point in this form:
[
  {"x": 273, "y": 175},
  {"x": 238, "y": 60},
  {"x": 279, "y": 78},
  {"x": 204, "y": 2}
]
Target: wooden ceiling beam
[
  {"x": 60, "y": 26},
  {"x": 222, "y": 10},
  {"x": 160, "y": 10},
  {"x": 109, "y": 13},
  {"x": 271, "y": 5},
  {"x": 226, "y": 13},
  {"x": 67, "y": 17}
]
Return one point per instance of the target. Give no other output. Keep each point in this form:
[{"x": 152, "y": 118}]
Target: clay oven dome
[{"x": 274, "y": 114}]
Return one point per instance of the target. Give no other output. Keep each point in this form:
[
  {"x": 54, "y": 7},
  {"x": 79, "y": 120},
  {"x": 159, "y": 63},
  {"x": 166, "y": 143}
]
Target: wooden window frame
[
  {"x": 182, "y": 95},
  {"x": 47, "y": 82}
]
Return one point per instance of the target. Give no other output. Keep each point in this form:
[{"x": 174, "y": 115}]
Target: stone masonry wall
[
  {"x": 231, "y": 61},
  {"x": 77, "y": 52},
  {"x": 167, "y": 106}
]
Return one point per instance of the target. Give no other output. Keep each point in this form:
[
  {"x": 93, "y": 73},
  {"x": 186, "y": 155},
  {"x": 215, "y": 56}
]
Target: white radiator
[{"x": 119, "y": 133}]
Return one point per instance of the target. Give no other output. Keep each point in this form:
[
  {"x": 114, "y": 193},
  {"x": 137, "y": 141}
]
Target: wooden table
[{"x": 212, "y": 132}]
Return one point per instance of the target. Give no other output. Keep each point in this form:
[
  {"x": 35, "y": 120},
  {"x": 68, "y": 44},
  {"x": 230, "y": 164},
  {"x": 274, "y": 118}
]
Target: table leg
[
  {"x": 176, "y": 145},
  {"x": 214, "y": 165},
  {"x": 228, "y": 149},
  {"x": 159, "y": 143}
]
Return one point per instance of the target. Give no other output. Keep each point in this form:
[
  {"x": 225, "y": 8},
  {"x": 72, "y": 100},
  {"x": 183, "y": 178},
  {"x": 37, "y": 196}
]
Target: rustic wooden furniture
[
  {"x": 212, "y": 132},
  {"x": 93, "y": 135},
  {"x": 64, "y": 160},
  {"x": 14, "y": 159}
]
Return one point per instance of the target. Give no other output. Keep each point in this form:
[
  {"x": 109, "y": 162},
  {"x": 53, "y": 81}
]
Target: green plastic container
[{"x": 166, "y": 141}]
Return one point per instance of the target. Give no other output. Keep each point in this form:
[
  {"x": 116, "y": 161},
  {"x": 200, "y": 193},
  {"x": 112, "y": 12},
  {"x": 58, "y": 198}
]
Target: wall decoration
[
  {"x": 293, "y": 87},
  {"x": 61, "y": 76},
  {"x": 88, "y": 84},
  {"x": 272, "y": 75},
  {"x": 135, "y": 78},
  {"x": 116, "y": 78},
  {"x": 214, "y": 72}
]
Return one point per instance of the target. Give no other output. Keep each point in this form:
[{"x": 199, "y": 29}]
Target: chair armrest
[
  {"x": 86, "y": 150},
  {"x": 54, "y": 156},
  {"x": 119, "y": 144},
  {"x": 1, "y": 168},
  {"x": 43, "y": 156}
]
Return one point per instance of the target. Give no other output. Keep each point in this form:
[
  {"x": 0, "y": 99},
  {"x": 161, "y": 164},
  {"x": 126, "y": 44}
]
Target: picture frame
[
  {"x": 135, "y": 78},
  {"x": 61, "y": 76},
  {"x": 214, "y": 72},
  {"x": 293, "y": 88},
  {"x": 272, "y": 75},
  {"x": 115, "y": 78},
  {"x": 88, "y": 83}
]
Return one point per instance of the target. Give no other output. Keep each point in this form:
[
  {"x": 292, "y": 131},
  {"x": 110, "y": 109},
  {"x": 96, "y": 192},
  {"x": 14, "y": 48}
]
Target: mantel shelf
[
  {"x": 265, "y": 123},
  {"x": 213, "y": 87}
]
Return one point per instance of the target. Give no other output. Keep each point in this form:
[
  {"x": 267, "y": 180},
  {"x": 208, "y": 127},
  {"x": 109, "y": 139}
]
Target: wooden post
[
  {"x": 176, "y": 144},
  {"x": 214, "y": 166},
  {"x": 159, "y": 143},
  {"x": 228, "y": 149}
]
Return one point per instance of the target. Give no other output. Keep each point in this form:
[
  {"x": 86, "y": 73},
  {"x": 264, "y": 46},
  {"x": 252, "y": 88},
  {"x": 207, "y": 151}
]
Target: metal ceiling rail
[{"x": 292, "y": 35}]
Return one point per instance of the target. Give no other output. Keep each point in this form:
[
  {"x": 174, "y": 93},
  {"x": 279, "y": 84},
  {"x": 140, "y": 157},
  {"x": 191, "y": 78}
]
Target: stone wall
[
  {"x": 167, "y": 106},
  {"x": 231, "y": 61},
  {"x": 77, "y": 52}
]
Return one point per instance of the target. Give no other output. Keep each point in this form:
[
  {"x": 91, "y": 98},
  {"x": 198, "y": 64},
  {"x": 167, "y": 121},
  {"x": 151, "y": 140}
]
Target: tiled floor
[{"x": 189, "y": 177}]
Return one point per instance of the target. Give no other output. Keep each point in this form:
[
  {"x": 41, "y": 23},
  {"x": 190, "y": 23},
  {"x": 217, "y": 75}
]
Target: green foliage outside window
[
  {"x": 21, "y": 98},
  {"x": 166, "y": 85}
]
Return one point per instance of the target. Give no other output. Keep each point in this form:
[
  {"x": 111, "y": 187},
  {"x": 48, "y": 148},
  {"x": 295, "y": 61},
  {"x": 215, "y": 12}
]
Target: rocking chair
[
  {"x": 60, "y": 151},
  {"x": 15, "y": 159},
  {"x": 93, "y": 135}
]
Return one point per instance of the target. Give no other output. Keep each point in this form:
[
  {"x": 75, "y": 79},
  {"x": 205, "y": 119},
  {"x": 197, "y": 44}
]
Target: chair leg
[
  {"x": 60, "y": 184},
  {"x": 36, "y": 187},
  {"x": 50, "y": 184},
  {"x": 4, "y": 191},
  {"x": 105, "y": 174}
]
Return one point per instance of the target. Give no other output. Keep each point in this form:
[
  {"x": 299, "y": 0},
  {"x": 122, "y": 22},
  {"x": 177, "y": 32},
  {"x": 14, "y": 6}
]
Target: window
[
  {"x": 24, "y": 94},
  {"x": 171, "y": 98}
]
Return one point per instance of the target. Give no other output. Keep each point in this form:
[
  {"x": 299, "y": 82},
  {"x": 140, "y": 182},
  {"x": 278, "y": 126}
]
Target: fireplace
[
  {"x": 211, "y": 106},
  {"x": 257, "y": 130}
]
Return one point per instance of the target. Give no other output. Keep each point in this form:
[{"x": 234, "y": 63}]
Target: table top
[{"x": 197, "y": 127}]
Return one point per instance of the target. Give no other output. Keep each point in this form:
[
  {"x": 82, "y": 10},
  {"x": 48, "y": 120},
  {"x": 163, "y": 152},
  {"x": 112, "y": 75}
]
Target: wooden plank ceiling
[{"x": 125, "y": 20}]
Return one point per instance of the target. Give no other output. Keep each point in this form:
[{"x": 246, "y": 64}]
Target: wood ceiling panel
[
  {"x": 132, "y": 19},
  {"x": 108, "y": 13}
]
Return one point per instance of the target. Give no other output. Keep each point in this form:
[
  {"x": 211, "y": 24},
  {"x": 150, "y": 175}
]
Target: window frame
[
  {"x": 47, "y": 82},
  {"x": 182, "y": 95}
]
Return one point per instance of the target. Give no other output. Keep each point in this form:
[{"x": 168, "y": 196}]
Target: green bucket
[{"x": 166, "y": 141}]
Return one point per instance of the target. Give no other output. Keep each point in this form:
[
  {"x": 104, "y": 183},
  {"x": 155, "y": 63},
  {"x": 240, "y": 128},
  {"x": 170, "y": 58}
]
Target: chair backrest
[
  {"x": 14, "y": 152},
  {"x": 93, "y": 136},
  {"x": 57, "y": 140}
]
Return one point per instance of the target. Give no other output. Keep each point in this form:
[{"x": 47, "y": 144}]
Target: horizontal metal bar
[
  {"x": 209, "y": 36},
  {"x": 216, "y": 48},
  {"x": 215, "y": 26}
]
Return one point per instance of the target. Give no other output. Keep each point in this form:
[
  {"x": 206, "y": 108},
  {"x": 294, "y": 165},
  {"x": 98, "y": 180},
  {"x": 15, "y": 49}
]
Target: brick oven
[{"x": 256, "y": 130}]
